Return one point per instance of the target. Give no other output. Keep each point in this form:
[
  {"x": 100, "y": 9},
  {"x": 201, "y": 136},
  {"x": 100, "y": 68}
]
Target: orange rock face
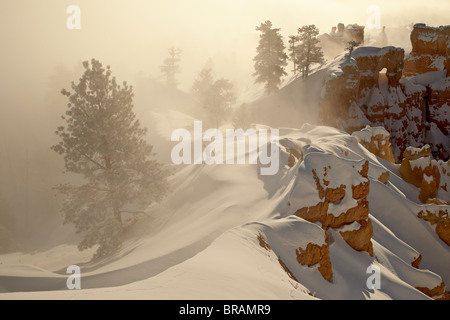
[
  {"x": 356, "y": 93},
  {"x": 359, "y": 239},
  {"x": 416, "y": 262},
  {"x": 441, "y": 220},
  {"x": 381, "y": 147},
  {"x": 429, "y": 47},
  {"x": 377, "y": 141},
  {"x": 437, "y": 292},
  {"x": 384, "y": 177},
  {"x": 418, "y": 169},
  {"x": 314, "y": 254},
  {"x": 263, "y": 243},
  {"x": 319, "y": 212}
]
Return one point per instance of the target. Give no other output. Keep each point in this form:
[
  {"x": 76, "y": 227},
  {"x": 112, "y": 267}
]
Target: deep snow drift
[{"x": 225, "y": 232}]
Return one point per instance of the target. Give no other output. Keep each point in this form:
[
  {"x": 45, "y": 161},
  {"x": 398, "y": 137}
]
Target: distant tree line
[
  {"x": 271, "y": 58},
  {"x": 104, "y": 143}
]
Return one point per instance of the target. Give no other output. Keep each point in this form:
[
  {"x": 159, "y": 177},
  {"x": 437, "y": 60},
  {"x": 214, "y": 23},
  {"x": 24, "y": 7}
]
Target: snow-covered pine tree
[
  {"x": 171, "y": 67},
  {"x": 104, "y": 143},
  {"x": 270, "y": 59},
  {"x": 308, "y": 51}
]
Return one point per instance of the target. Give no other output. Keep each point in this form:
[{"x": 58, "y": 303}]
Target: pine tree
[
  {"x": 270, "y": 59},
  {"x": 216, "y": 96},
  {"x": 351, "y": 46},
  {"x": 308, "y": 52},
  {"x": 293, "y": 52},
  {"x": 203, "y": 82},
  {"x": 171, "y": 67},
  {"x": 104, "y": 143}
]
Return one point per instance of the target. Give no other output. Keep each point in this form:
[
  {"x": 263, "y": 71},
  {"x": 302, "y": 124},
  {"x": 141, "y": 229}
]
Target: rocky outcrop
[
  {"x": 384, "y": 177},
  {"x": 356, "y": 92},
  {"x": 314, "y": 254},
  {"x": 337, "y": 40},
  {"x": 377, "y": 141},
  {"x": 332, "y": 198},
  {"x": 419, "y": 169},
  {"x": 437, "y": 292},
  {"x": 429, "y": 50},
  {"x": 263, "y": 243},
  {"x": 311, "y": 255},
  {"x": 417, "y": 261},
  {"x": 360, "y": 239},
  {"x": 440, "y": 218}
]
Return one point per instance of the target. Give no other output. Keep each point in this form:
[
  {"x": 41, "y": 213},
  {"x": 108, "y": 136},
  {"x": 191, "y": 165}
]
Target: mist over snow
[{"x": 218, "y": 231}]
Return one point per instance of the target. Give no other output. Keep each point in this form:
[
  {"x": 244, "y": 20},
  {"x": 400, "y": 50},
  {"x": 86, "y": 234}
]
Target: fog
[{"x": 39, "y": 56}]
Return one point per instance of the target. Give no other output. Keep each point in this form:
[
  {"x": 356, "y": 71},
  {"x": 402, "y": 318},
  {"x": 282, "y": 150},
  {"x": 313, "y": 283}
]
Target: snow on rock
[
  {"x": 413, "y": 109},
  {"x": 419, "y": 169},
  {"x": 293, "y": 235},
  {"x": 438, "y": 215},
  {"x": 337, "y": 40},
  {"x": 377, "y": 141},
  {"x": 342, "y": 197},
  {"x": 429, "y": 49}
]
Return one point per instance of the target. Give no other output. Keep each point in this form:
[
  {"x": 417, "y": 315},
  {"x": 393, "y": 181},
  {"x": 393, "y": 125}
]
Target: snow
[
  {"x": 436, "y": 79},
  {"x": 335, "y": 68},
  {"x": 201, "y": 242},
  {"x": 421, "y": 163},
  {"x": 373, "y": 51},
  {"x": 368, "y": 132},
  {"x": 428, "y": 179}
]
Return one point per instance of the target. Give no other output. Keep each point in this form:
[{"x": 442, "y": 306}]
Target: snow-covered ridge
[{"x": 240, "y": 235}]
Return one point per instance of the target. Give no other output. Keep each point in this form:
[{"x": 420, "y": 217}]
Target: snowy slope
[{"x": 225, "y": 232}]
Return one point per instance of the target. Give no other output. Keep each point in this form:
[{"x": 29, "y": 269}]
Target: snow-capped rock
[{"x": 414, "y": 110}]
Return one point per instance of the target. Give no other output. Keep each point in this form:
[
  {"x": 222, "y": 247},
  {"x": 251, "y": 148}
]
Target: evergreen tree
[
  {"x": 351, "y": 46},
  {"x": 203, "y": 82},
  {"x": 270, "y": 59},
  {"x": 216, "y": 96},
  {"x": 104, "y": 143},
  {"x": 308, "y": 51},
  {"x": 293, "y": 52},
  {"x": 171, "y": 67}
]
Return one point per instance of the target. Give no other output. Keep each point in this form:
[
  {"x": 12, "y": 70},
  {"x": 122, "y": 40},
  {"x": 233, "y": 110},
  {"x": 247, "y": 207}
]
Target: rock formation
[
  {"x": 337, "y": 40},
  {"x": 332, "y": 212},
  {"x": 438, "y": 291},
  {"x": 377, "y": 141},
  {"x": 429, "y": 50},
  {"x": 441, "y": 219},
  {"x": 356, "y": 92},
  {"x": 419, "y": 169},
  {"x": 314, "y": 254}
]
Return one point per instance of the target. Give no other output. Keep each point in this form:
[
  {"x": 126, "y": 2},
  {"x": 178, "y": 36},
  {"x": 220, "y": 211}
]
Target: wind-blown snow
[{"x": 202, "y": 242}]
